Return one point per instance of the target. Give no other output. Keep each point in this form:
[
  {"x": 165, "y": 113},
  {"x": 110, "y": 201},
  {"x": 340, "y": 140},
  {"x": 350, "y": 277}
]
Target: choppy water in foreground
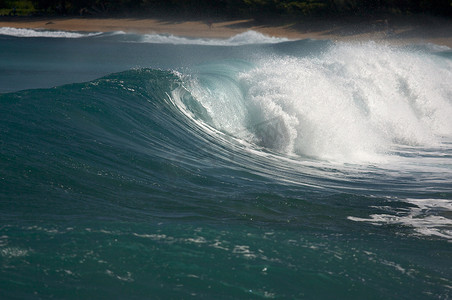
[{"x": 162, "y": 167}]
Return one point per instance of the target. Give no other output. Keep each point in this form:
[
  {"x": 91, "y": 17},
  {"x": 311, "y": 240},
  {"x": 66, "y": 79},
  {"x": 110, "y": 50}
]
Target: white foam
[
  {"x": 425, "y": 217},
  {"x": 437, "y": 48},
  {"x": 245, "y": 38},
  {"x": 11, "y": 252},
  {"x": 353, "y": 103},
  {"x": 24, "y": 32}
]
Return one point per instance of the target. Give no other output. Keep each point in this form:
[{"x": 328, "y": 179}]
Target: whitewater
[{"x": 159, "y": 166}]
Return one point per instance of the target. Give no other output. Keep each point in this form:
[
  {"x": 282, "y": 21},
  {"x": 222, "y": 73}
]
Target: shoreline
[{"x": 394, "y": 30}]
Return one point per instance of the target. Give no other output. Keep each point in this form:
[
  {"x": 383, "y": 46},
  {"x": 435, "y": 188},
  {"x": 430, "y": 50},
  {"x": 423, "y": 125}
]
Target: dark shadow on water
[{"x": 391, "y": 26}]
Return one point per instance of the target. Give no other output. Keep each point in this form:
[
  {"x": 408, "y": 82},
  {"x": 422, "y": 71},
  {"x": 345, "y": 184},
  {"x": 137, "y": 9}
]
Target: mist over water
[{"x": 139, "y": 166}]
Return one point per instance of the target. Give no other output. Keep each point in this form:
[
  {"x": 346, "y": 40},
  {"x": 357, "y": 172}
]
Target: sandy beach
[{"x": 401, "y": 29}]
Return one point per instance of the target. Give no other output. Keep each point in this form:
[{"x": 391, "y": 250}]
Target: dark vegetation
[{"x": 226, "y": 8}]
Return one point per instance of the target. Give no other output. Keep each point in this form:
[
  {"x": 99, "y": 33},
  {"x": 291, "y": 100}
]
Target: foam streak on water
[{"x": 427, "y": 216}]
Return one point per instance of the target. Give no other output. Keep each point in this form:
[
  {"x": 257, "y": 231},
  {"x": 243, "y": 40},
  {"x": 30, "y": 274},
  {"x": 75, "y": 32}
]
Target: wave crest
[
  {"x": 25, "y": 32},
  {"x": 353, "y": 102},
  {"x": 245, "y": 38}
]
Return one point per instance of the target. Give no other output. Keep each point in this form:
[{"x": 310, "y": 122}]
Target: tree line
[{"x": 237, "y": 8}]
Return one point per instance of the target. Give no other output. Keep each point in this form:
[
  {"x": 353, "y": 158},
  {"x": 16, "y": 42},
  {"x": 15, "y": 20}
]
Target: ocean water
[{"x": 164, "y": 167}]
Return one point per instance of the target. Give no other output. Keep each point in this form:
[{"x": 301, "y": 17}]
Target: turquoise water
[{"x": 161, "y": 167}]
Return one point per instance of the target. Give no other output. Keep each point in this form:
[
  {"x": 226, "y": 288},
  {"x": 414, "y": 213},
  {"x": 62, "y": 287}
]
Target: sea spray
[{"x": 353, "y": 102}]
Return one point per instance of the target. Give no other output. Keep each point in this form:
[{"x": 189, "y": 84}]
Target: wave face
[{"x": 295, "y": 169}]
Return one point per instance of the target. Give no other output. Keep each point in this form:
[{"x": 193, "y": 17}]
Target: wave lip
[{"x": 26, "y": 32}]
